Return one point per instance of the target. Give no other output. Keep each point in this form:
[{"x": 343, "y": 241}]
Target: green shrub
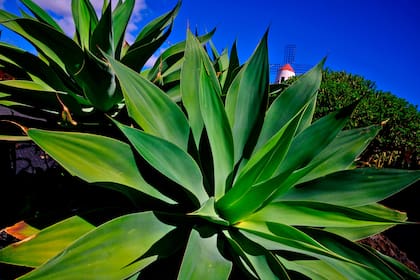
[{"x": 398, "y": 142}]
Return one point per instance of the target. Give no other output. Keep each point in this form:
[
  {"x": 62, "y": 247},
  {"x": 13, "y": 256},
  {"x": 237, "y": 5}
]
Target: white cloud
[
  {"x": 2, "y": 4},
  {"x": 61, "y": 11}
]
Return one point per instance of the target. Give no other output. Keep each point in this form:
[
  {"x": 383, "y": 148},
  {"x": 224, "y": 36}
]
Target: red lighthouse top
[{"x": 287, "y": 67}]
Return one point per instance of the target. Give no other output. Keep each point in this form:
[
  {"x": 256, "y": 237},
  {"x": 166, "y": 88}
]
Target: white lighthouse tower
[{"x": 284, "y": 73}]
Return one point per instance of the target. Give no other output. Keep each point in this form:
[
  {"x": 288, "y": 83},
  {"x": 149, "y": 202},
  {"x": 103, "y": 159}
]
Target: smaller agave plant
[
  {"x": 236, "y": 188},
  {"x": 58, "y": 86}
]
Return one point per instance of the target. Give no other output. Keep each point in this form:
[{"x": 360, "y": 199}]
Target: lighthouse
[{"x": 284, "y": 73}]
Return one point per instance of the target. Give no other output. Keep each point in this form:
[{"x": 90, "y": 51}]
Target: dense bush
[{"x": 397, "y": 144}]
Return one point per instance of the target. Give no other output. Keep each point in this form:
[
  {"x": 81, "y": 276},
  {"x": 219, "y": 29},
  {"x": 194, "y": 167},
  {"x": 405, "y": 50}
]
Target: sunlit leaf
[
  {"x": 277, "y": 236},
  {"x": 150, "y": 107},
  {"x": 217, "y": 126},
  {"x": 208, "y": 212},
  {"x": 109, "y": 251},
  {"x": 202, "y": 260},
  {"x": 247, "y": 96},
  {"x": 291, "y": 101},
  {"x": 354, "y": 187},
  {"x": 243, "y": 198},
  {"x": 169, "y": 159},
  {"x": 47, "y": 40},
  {"x": 341, "y": 153},
  {"x": 46, "y": 243},
  {"x": 189, "y": 86},
  {"x": 94, "y": 158},
  {"x": 315, "y": 214},
  {"x": 373, "y": 267},
  {"x": 314, "y": 269},
  {"x": 254, "y": 258}
]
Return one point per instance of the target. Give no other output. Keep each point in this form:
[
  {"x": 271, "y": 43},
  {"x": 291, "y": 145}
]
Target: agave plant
[
  {"x": 58, "y": 86},
  {"x": 236, "y": 188}
]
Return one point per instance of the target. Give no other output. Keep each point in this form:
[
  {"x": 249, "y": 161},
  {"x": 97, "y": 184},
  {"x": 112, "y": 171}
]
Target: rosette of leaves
[
  {"x": 59, "y": 85},
  {"x": 235, "y": 189}
]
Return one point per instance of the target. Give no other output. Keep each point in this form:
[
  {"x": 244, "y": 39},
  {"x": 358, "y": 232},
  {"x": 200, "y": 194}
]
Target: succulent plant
[
  {"x": 235, "y": 188},
  {"x": 58, "y": 86}
]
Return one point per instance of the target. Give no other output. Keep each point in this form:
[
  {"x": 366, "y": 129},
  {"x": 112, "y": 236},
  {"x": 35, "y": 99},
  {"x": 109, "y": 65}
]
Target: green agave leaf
[
  {"x": 307, "y": 115},
  {"x": 169, "y": 159},
  {"x": 217, "y": 126},
  {"x": 233, "y": 68},
  {"x": 14, "y": 138},
  {"x": 358, "y": 233},
  {"x": 202, "y": 260},
  {"x": 385, "y": 212},
  {"x": 356, "y": 187},
  {"x": 108, "y": 251},
  {"x": 316, "y": 214},
  {"x": 235, "y": 209},
  {"x": 151, "y": 37},
  {"x": 210, "y": 112},
  {"x": 291, "y": 101},
  {"x": 150, "y": 107},
  {"x": 314, "y": 139},
  {"x": 262, "y": 165},
  {"x": 120, "y": 18},
  {"x": 41, "y": 14},
  {"x": 104, "y": 95},
  {"x": 106, "y": 3},
  {"x": 94, "y": 158},
  {"x": 400, "y": 268},
  {"x": 189, "y": 86},
  {"x": 25, "y": 84},
  {"x": 154, "y": 28},
  {"x": 377, "y": 210},
  {"x": 172, "y": 75},
  {"x": 373, "y": 267},
  {"x": 303, "y": 149},
  {"x": 314, "y": 269},
  {"x": 253, "y": 257},
  {"x": 208, "y": 212},
  {"x": 102, "y": 36},
  {"x": 139, "y": 52},
  {"x": 341, "y": 153},
  {"x": 37, "y": 249},
  {"x": 235, "y": 203},
  {"x": 43, "y": 97},
  {"x": 277, "y": 236},
  {"x": 221, "y": 62},
  {"x": 247, "y": 97},
  {"x": 51, "y": 43},
  {"x": 172, "y": 55},
  {"x": 85, "y": 21},
  {"x": 39, "y": 71}
]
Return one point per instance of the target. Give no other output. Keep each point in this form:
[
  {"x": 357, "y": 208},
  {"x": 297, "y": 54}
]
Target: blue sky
[{"x": 377, "y": 39}]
